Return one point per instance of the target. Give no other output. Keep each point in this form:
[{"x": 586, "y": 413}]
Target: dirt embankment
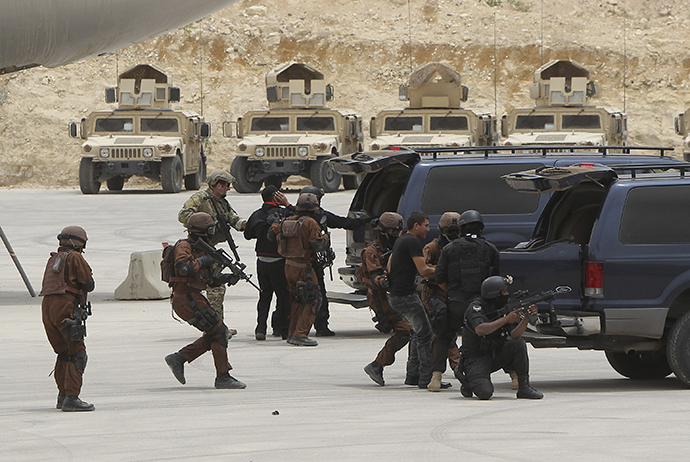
[{"x": 637, "y": 50}]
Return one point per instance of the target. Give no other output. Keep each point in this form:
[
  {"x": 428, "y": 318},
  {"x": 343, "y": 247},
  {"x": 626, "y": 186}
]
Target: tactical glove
[{"x": 205, "y": 261}]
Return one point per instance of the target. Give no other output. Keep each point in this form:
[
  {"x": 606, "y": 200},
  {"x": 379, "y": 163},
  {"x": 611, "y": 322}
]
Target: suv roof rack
[
  {"x": 543, "y": 149},
  {"x": 634, "y": 169}
]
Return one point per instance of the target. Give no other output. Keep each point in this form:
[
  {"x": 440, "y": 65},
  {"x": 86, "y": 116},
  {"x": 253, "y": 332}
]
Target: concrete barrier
[{"x": 143, "y": 281}]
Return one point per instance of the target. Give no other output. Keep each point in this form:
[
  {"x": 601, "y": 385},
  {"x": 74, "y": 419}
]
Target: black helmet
[
  {"x": 494, "y": 285},
  {"x": 307, "y": 201},
  {"x": 449, "y": 220},
  {"x": 470, "y": 217},
  {"x": 313, "y": 190},
  {"x": 70, "y": 234},
  {"x": 390, "y": 223},
  {"x": 201, "y": 223}
]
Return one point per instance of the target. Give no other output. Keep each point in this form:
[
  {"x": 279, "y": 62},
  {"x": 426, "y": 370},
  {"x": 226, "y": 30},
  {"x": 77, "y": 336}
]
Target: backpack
[
  {"x": 168, "y": 262},
  {"x": 290, "y": 238}
]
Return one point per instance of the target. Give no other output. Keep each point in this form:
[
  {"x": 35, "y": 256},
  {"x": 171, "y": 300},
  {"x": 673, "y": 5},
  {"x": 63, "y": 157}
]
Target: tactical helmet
[
  {"x": 471, "y": 216},
  {"x": 494, "y": 285},
  {"x": 449, "y": 220},
  {"x": 73, "y": 233},
  {"x": 201, "y": 223},
  {"x": 390, "y": 223},
  {"x": 307, "y": 201},
  {"x": 313, "y": 190},
  {"x": 219, "y": 175}
]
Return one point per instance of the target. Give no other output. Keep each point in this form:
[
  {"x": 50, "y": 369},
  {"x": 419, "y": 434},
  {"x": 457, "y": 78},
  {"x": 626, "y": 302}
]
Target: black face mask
[
  {"x": 387, "y": 240},
  {"x": 500, "y": 301}
]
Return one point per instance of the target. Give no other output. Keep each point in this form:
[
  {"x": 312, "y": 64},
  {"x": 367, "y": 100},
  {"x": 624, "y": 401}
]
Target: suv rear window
[
  {"x": 656, "y": 215},
  {"x": 483, "y": 190}
]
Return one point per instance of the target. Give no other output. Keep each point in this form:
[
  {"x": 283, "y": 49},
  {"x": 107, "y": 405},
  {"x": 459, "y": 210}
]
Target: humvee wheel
[
  {"x": 171, "y": 174},
  {"x": 116, "y": 183},
  {"x": 323, "y": 175},
  {"x": 274, "y": 180},
  {"x": 238, "y": 170},
  {"x": 87, "y": 177},
  {"x": 678, "y": 348},
  {"x": 195, "y": 180},
  {"x": 352, "y": 181},
  {"x": 640, "y": 366}
]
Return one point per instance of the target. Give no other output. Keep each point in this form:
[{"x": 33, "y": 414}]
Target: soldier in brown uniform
[
  {"x": 449, "y": 228},
  {"x": 374, "y": 262},
  {"x": 193, "y": 272},
  {"x": 300, "y": 240},
  {"x": 66, "y": 281}
]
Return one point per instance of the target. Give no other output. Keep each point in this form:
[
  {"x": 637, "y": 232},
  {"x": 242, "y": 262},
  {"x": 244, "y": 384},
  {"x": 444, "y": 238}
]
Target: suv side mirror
[
  {"x": 504, "y": 127},
  {"x": 227, "y": 128},
  {"x": 174, "y": 95},
  {"x": 73, "y": 132},
  {"x": 465, "y": 93},
  {"x": 679, "y": 125},
  {"x": 372, "y": 127},
  {"x": 330, "y": 92},
  {"x": 111, "y": 95},
  {"x": 205, "y": 131}
]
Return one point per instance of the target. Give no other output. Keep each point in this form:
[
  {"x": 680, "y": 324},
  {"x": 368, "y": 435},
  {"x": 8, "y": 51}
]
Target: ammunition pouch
[
  {"x": 306, "y": 291},
  {"x": 383, "y": 323},
  {"x": 77, "y": 330},
  {"x": 438, "y": 314}
]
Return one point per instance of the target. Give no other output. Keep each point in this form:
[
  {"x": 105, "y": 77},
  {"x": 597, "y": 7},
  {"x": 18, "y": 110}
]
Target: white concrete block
[{"x": 143, "y": 281}]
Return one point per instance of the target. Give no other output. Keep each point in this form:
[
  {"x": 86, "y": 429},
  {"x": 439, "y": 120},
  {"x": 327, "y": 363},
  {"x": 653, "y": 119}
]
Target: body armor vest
[
  {"x": 290, "y": 239},
  {"x": 54, "y": 275},
  {"x": 475, "y": 263}
]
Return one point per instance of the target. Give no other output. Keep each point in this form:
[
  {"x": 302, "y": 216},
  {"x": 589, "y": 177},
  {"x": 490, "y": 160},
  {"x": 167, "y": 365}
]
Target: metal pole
[{"x": 16, "y": 262}]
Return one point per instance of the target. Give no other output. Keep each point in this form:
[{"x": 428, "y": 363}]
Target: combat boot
[
  {"x": 514, "y": 383},
  {"x": 60, "y": 400},
  {"x": 176, "y": 362},
  {"x": 302, "y": 341},
  {"x": 435, "y": 383},
  {"x": 229, "y": 382},
  {"x": 525, "y": 390},
  {"x": 73, "y": 403},
  {"x": 375, "y": 371}
]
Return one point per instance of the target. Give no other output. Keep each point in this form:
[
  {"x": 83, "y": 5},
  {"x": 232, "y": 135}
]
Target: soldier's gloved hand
[
  {"x": 229, "y": 279},
  {"x": 384, "y": 282},
  {"x": 205, "y": 261}
]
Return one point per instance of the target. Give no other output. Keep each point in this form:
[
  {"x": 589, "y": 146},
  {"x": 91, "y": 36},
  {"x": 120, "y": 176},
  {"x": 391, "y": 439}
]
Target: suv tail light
[{"x": 594, "y": 279}]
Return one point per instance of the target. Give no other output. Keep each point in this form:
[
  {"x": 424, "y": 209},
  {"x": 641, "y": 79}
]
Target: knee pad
[
  {"x": 79, "y": 359},
  {"x": 484, "y": 391},
  {"x": 220, "y": 336},
  {"x": 205, "y": 319}
]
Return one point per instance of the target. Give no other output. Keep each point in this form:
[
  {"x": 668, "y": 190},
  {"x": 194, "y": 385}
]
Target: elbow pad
[
  {"x": 89, "y": 286},
  {"x": 318, "y": 246},
  {"x": 185, "y": 269}
]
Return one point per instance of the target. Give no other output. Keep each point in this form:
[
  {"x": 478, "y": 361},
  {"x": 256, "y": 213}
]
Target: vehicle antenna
[
  {"x": 117, "y": 64},
  {"x": 625, "y": 55},
  {"x": 409, "y": 30},
  {"x": 541, "y": 40},
  {"x": 201, "y": 70},
  {"x": 495, "y": 71}
]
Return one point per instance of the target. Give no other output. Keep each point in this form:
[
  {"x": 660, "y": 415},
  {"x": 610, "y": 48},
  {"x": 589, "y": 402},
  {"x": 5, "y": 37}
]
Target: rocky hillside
[{"x": 638, "y": 51}]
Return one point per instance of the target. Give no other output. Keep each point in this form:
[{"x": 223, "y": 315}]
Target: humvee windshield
[
  {"x": 574, "y": 121},
  {"x": 403, "y": 124},
  {"x": 315, "y": 124},
  {"x": 271, "y": 124},
  {"x": 448, "y": 123},
  {"x": 159, "y": 125},
  {"x": 535, "y": 122},
  {"x": 114, "y": 125}
]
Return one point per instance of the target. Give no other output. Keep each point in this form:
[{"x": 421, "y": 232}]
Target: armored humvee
[
  {"x": 296, "y": 135},
  {"x": 682, "y": 123},
  {"x": 562, "y": 116},
  {"x": 434, "y": 117},
  {"x": 143, "y": 136}
]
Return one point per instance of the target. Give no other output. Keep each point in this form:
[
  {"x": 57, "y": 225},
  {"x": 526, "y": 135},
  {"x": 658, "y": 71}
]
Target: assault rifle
[
  {"x": 325, "y": 258},
  {"x": 77, "y": 324},
  {"x": 225, "y": 260},
  {"x": 522, "y": 299},
  {"x": 223, "y": 226}
]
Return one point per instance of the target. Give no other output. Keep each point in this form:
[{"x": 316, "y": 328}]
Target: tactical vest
[
  {"x": 54, "y": 275},
  {"x": 475, "y": 263},
  {"x": 290, "y": 239}
]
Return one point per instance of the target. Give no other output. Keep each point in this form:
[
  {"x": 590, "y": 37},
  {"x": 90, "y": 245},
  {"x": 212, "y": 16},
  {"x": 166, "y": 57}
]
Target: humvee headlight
[
  {"x": 508, "y": 143},
  {"x": 259, "y": 152},
  {"x": 375, "y": 147},
  {"x": 148, "y": 152},
  {"x": 302, "y": 151},
  {"x": 320, "y": 146},
  {"x": 242, "y": 147},
  {"x": 104, "y": 152},
  {"x": 87, "y": 148},
  {"x": 164, "y": 147},
  {"x": 454, "y": 144}
]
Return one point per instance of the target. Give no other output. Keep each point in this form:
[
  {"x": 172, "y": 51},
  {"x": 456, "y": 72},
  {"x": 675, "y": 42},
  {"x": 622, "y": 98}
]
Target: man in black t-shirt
[{"x": 406, "y": 261}]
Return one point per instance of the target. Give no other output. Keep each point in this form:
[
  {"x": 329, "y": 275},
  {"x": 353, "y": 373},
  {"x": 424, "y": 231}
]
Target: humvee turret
[
  {"x": 296, "y": 135},
  {"x": 143, "y": 136},
  {"x": 434, "y": 117},
  {"x": 682, "y": 123},
  {"x": 562, "y": 114}
]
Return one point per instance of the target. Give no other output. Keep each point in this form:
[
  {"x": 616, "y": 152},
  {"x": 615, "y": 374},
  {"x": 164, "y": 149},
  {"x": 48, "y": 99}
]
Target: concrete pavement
[{"x": 327, "y": 407}]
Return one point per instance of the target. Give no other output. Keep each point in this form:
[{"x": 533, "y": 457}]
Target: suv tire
[
  {"x": 678, "y": 348},
  {"x": 194, "y": 181},
  {"x": 323, "y": 175},
  {"x": 171, "y": 174},
  {"x": 640, "y": 366},
  {"x": 116, "y": 183},
  {"x": 87, "y": 177},
  {"x": 238, "y": 170}
]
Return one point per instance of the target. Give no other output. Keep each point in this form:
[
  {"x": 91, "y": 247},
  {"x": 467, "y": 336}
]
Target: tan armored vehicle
[
  {"x": 434, "y": 117},
  {"x": 143, "y": 136},
  {"x": 296, "y": 135},
  {"x": 682, "y": 124},
  {"x": 562, "y": 114}
]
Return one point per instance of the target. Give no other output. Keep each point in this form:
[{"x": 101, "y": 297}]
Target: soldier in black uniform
[
  {"x": 461, "y": 268},
  {"x": 491, "y": 340}
]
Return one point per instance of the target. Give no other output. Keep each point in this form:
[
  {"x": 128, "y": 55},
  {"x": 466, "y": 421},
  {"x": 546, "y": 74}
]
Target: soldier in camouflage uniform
[{"x": 219, "y": 183}]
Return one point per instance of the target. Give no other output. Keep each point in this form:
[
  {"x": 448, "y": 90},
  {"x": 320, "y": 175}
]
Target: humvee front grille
[
  {"x": 125, "y": 153},
  {"x": 281, "y": 151}
]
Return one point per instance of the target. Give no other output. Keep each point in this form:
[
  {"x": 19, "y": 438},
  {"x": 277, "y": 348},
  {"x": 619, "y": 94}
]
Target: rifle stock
[{"x": 225, "y": 260}]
